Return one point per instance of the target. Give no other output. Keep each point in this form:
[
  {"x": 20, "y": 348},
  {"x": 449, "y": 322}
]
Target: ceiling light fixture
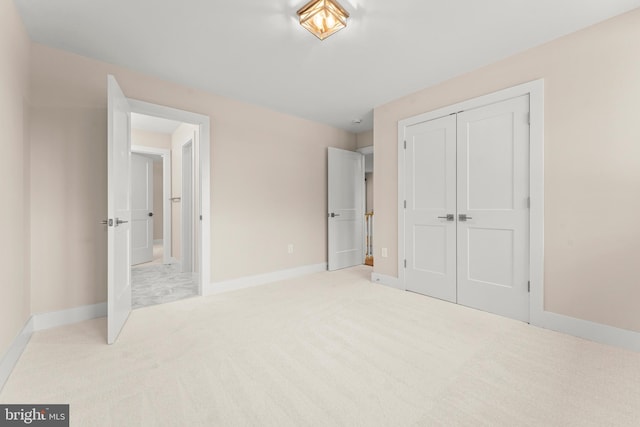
[{"x": 323, "y": 17}]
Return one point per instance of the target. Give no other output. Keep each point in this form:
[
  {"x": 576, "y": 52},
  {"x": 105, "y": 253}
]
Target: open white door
[
  {"x": 118, "y": 210},
  {"x": 141, "y": 209},
  {"x": 345, "y": 209}
]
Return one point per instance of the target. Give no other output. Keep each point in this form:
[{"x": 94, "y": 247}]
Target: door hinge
[
  {"x": 405, "y": 263},
  {"x": 405, "y": 144},
  {"x": 529, "y": 286},
  {"x": 528, "y": 118},
  {"x": 529, "y": 202},
  {"x": 405, "y": 204}
]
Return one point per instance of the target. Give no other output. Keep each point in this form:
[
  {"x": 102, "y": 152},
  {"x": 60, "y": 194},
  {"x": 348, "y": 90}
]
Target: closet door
[
  {"x": 493, "y": 210},
  {"x": 430, "y": 226}
]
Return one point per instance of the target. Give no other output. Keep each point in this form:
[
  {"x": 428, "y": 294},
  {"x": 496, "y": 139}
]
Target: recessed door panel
[
  {"x": 489, "y": 144},
  {"x": 490, "y": 256},
  {"x": 430, "y": 151},
  {"x": 429, "y": 249}
]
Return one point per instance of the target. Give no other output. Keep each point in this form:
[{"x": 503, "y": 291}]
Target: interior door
[
  {"x": 141, "y": 209},
  {"x": 493, "y": 211},
  {"x": 118, "y": 209},
  {"x": 430, "y": 223},
  {"x": 346, "y": 187}
]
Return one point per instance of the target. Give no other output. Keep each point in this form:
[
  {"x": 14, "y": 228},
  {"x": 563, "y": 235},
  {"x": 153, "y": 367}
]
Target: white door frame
[
  {"x": 187, "y": 230},
  {"x": 203, "y": 123},
  {"x": 166, "y": 195},
  {"x": 535, "y": 90}
]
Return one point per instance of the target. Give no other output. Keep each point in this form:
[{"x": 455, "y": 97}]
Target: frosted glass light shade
[{"x": 323, "y": 17}]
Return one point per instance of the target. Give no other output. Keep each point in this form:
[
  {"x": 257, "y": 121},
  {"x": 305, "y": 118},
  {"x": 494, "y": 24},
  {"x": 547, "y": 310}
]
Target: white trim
[
  {"x": 262, "y": 279},
  {"x": 53, "y": 319},
  {"x": 166, "y": 196},
  {"x": 387, "y": 281},
  {"x": 203, "y": 122},
  {"x": 365, "y": 150},
  {"x": 13, "y": 353},
  {"x": 535, "y": 90},
  {"x": 591, "y": 331},
  {"x": 187, "y": 239}
]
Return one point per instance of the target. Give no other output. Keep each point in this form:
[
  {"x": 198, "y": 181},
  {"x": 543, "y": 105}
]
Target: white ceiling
[{"x": 254, "y": 50}]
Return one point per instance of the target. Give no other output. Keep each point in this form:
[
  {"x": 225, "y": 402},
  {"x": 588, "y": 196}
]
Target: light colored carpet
[{"x": 329, "y": 349}]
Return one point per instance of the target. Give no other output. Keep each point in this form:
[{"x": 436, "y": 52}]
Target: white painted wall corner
[
  {"x": 14, "y": 352},
  {"x": 42, "y": 321}
]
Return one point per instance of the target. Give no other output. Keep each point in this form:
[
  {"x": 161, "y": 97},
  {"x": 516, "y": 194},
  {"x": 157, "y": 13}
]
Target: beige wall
[
  {"x": 147, "y": 138},
  {"x": 268, "y": 185},
  {"x": 592, "y": 165},
  {"x": 364, "y": 139},
  {"x": 14, "y": 169}
]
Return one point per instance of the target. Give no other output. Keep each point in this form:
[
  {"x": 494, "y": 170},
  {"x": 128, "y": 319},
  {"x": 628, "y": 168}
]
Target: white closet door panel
[
  {"x": 431, "y": 185},
  {"x": 493, "y": 192}
]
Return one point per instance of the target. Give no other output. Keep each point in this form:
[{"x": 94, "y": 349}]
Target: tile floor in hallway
[{"x": 156, "y": 283}]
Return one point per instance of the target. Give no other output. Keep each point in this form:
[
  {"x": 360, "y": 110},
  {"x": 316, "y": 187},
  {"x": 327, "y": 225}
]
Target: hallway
[{"x": 157, "y": 283}]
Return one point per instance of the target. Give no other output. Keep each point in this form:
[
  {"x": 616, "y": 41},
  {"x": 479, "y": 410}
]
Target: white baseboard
[
  {"x": 54, "y": 319},
  {"x": 261, "y": 279},
  {"x": 588, "y": 330},
  {"x": 14, "y": 352},
  {"x": 591, "y": 331},
  {"x": 393, "y": 282},
  {"x": 42, "y": 321}
]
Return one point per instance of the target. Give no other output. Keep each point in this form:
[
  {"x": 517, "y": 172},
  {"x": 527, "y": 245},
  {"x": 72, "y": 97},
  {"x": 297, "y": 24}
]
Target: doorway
[
  {"x": 367, "y": 152},
  {"x": 163, "y": 210},
  {"x": 470, "y": 215},
  {"x": 119, "y": 112}
]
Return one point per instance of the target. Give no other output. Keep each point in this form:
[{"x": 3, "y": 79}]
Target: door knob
[
  {"x": 463, "y": 217},
  {"x": 449, "y": 217},
  {"x": 120, "y": 221},
  {"x": 333, "y": 215},
  {"x": 150, "y": 213}
]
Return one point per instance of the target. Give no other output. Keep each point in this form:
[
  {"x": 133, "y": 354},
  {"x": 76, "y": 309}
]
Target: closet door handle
[
  {"x": 463, "y": 217},
  {"x": 449, "y": 217}
]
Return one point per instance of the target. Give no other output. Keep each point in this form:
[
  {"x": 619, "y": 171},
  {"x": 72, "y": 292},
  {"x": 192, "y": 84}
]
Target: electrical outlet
[
  {"x": 290, "y": 248},
  {"x": 384, "y": 253}
]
